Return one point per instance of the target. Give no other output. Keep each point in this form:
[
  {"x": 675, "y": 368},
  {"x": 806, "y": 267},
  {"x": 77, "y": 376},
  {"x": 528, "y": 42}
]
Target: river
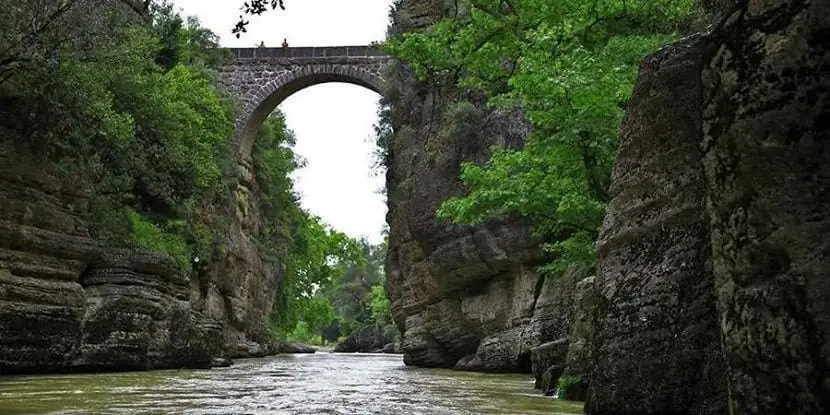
[{"x": 321, "y": 383}]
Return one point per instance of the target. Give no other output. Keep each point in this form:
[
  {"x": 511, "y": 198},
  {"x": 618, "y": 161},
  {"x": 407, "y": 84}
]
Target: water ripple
[{"x": 323, "y": 383}]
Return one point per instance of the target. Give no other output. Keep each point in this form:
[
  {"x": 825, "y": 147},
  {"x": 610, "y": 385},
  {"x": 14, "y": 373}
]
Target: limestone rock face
[
  {"x": 766, "y": 142},
  {"x": 453, "y": 287},
  {"x": 463, "y": 296},
  {"x": 69, "y": 304},
  {"x": 138, "y": 316},
  {"x": 657, "y": 343},
  {"x": 238, "y": 288},
  {"x": 516, "y": 349},
  {"x": 713, "y": 257}
]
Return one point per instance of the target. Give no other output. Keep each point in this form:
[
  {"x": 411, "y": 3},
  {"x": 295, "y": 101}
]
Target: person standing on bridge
[{"x": 285, "y": 42}]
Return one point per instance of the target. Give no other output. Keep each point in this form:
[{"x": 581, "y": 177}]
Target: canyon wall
[
  {"x": 467, "y": 297},
  {"x": 67, "y": 303},
  {"x": 709, "y": 295},
  {"x": 713, "y": 255},
  {"x": 238, "y": 288},
  {"x": 71, "y": 303},
  {"x": 658, "y": 346}
]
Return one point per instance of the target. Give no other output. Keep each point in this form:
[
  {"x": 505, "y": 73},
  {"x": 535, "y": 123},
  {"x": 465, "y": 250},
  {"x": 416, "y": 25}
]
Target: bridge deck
[{"x": 308, "y": 52}]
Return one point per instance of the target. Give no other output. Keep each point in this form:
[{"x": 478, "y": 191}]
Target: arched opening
[
  {"x": 336, "y": 228},
  {"x": 341, "y": 180},
  {"x": 264, "y": 101}
]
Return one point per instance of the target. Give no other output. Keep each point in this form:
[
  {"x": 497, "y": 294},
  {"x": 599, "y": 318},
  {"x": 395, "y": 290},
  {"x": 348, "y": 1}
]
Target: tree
[
  {"x": 380, "y": 304},
  {"x": 569, "y": 67},
  {"x": 94, "y": 90}
]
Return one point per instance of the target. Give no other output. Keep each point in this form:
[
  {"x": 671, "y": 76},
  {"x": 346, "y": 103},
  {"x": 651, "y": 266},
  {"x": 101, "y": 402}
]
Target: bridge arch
[{"x": 262, "y": 78}]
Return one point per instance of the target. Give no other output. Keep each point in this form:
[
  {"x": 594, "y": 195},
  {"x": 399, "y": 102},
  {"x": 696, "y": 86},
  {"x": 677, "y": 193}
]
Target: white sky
[{"x": 332, "y": 122}]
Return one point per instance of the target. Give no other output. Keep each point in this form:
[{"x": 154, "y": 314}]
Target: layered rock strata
[
  {"x": 69, "y": 304},
  {"x": 463, "y": 297}
]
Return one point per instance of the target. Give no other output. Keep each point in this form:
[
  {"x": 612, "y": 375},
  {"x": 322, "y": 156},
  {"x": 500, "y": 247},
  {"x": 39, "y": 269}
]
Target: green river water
[{"x": 321, "y": 383}]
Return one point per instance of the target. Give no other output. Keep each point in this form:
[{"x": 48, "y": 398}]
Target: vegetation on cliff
[
  {"x": 121, "y": 97},
  {"x": 126, "y": 106},
  {"x": 570, "y": 67}
]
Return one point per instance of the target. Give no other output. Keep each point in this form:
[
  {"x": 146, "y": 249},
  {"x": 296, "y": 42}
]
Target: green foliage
[
  {"x": 301, "y": 332},
  {"x": 346, "y": 294},
  {"x": 148, "y": 235},
  {"x": 329, "y": 281},
  {"x": 274, "y": 160},
  {"x": 185, "y": 41},
  {"x": 379, "y": 304},
  {"x": 309, "y": 254},
  {"x": 569, "y": 66},
  {"x": 566, "y": 385},
  {"x": 351, "y": 290},
  {"x": 125, "y": 105},
  {"x": 383, "y": 134},
  {"x": 464, "y": 120},
  {"x": 255, "y": 7},
  {"x": 334, "y": 281}
]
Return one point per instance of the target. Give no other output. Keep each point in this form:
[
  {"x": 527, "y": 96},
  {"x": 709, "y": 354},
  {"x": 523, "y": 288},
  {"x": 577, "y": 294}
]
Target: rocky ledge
[{"x": 69, "y": 304}]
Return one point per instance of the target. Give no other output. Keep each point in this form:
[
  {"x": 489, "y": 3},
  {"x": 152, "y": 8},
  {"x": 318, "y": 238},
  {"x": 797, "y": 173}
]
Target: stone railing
[{"x": 307, "y": 52}]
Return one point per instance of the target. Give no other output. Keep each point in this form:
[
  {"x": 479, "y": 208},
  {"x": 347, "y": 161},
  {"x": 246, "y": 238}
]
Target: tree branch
[{"x": 254, "y": 8}]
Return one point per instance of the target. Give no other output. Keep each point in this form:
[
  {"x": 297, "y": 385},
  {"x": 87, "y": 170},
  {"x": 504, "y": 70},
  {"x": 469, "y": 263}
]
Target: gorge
[{"x": 708, "y": 293}]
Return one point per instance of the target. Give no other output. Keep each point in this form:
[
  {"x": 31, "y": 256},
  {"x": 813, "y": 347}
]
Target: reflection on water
[{"x": 321, "y": 383}]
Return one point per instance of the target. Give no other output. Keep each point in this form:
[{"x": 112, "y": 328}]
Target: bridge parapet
[{"x": 242, "y": 54}]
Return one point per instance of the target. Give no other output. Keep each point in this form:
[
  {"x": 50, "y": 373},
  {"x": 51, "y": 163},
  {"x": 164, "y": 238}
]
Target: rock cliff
[
  {"x": 69, "y": 304},
  {"x": 238, "y": 288},
  {"x": 709, "y": 295},
  {"x": 660, "y": 325},
  {"x": 713, "y": 256},
  {"x": 464, "y": 297},
  {"x": 766, "y": 143}
]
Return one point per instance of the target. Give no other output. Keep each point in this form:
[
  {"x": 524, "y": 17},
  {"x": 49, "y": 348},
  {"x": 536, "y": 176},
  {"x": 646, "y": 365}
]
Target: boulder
[
  {"x": 221, "y": 362},
  {"x": 369, "y": 339},
  {"x": 547, "y": 381},
  {"x": 294, "y": 347},
  {"x": 506, "y": 351}
]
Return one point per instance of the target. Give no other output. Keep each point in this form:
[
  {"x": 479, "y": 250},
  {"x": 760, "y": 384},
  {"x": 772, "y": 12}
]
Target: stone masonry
[
  {"x": 261, "y": 78},
  {"x": 241, "y": 285}
]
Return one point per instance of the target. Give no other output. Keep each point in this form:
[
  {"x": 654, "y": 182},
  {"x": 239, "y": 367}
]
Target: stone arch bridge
[{"x": 261, "y": 78}]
